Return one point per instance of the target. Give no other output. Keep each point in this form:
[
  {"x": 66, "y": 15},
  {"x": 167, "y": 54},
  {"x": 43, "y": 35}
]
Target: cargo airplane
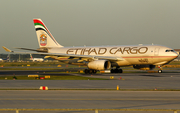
[{"x": 96, "y": 58}]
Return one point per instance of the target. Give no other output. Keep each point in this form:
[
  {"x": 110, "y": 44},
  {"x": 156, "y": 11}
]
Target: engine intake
[{"x": 99, "y": 65}]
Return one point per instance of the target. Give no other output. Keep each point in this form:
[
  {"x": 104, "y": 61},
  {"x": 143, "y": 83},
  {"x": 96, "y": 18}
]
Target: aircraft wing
[
  {"x": 88, "y": 56},
  {"x": 71, "y": 56}
]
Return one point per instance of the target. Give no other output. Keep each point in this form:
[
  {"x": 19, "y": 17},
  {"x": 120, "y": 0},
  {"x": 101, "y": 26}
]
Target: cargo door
[{"x": 156, "y": 52}]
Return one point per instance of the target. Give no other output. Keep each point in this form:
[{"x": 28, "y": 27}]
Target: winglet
[{"x": 6, "y": 49}]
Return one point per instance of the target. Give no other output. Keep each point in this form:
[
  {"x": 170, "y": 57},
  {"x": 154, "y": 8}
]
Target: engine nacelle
[
  {"x": 99, "y": 65},
  {"x": 144, "y": 67}
]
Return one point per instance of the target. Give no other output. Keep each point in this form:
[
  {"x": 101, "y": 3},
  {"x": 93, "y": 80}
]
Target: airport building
[{"x": 21, "y": 57}]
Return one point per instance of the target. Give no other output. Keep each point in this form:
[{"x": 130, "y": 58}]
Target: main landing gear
[
  {"x": 116, "y": 70},
  {"x": 90, "y": 71}
]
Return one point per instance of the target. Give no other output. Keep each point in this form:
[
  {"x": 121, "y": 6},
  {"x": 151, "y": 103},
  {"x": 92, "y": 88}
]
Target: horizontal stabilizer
[{"x": 38, "y": 50}]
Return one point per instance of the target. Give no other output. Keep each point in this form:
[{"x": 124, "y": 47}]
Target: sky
[{"x": 91, "y": 22}]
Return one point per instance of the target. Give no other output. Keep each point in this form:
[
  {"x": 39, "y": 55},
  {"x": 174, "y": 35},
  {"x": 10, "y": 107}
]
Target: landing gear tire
[
  {"x": 86, "y": 71},
  {"x": 94, "y": 71},
  {"x": 112, "y": 71},
  {"x": 90, "y": 71},
  {"x": 159, "y": 71},
  {"x": 120, "y": 71},
  {"x": 116, "y": 71}
]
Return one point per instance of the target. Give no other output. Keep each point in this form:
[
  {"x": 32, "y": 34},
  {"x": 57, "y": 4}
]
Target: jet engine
[
  {"x": 99, "y": 65},
  {"x": 144, "y": 67}
]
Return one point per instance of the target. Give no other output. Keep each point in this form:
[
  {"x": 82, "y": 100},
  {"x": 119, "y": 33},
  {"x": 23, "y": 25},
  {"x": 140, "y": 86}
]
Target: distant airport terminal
[{"x": 22, "y": 57}]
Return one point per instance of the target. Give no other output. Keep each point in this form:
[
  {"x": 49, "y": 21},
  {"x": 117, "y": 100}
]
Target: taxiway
[
  {"x": 125, "y": 81},
  {"x": 83, "y": 99},
  {"x": 95, "y": 99}
]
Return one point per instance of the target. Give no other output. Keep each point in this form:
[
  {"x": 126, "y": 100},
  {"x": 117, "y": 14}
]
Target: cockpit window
[{"x": 169, "y": 50}]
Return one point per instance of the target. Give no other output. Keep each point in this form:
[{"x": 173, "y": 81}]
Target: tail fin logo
[{"x": 43, "y": 40}]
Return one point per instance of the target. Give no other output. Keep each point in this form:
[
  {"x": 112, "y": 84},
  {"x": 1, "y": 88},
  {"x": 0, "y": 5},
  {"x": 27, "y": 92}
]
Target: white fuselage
[{"x": 132, "y": 54}]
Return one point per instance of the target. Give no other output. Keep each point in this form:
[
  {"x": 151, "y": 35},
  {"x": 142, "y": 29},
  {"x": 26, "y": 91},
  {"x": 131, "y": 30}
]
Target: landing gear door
[{"x": 156, "y": 52}]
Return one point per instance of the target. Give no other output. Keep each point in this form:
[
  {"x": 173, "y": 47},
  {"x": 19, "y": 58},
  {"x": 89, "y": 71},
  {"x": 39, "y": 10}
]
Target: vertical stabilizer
[
  {"x": 8, "y": 57},
  {"x": 31, "y": 58},
  {"x": 45, "y": 38}
]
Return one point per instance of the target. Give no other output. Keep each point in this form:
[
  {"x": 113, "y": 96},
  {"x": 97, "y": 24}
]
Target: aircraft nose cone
[{"x": 176, "y": 54}]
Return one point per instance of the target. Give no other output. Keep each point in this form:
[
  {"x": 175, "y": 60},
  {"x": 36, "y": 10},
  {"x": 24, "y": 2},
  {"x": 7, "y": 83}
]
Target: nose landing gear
[{"x": 160, "y": 69}]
